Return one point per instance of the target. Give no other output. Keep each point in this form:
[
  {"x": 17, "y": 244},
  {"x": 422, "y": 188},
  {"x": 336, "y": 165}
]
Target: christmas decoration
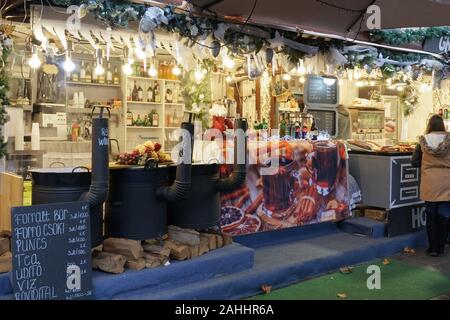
[
  {"x": 408, "y": 35},
  {"x": 5, "y": 46}
]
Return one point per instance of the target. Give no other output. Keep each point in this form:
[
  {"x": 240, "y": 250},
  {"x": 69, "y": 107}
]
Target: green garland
[
  {"x": 408, "y": 35},
  {"x": 4, "y": 87}
]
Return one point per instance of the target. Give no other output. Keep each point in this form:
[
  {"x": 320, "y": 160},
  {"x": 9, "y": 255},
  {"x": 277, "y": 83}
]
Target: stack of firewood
[
  {"x": 116, "y": 254},
  {"x": 5, "y": 252}
]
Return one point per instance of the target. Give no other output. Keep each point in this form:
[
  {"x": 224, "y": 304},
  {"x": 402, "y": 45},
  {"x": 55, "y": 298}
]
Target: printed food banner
[{"x": 309, "y": 184}]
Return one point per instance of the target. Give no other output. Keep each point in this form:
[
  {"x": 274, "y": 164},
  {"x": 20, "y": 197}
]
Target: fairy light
[{"x": 34, "y": 61}]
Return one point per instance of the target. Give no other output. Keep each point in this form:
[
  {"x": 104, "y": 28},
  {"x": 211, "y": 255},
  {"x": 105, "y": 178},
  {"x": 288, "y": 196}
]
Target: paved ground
[{"x": 421, "y": 259}]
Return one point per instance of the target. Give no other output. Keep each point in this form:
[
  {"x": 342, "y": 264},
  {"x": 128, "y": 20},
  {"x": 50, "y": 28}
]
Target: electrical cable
[{"x": 338, "y": 7}]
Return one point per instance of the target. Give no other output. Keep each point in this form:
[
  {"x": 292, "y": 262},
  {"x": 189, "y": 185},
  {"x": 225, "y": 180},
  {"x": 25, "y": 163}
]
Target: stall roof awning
[{"x": 338, "y": 17}]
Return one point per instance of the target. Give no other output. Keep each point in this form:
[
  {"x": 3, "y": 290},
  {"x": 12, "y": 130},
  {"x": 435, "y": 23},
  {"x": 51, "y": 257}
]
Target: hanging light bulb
[
  {"x": 99, "y": 70},
  {"x": 198, "y": 74},
  {"x": 126, "y": 68},
  {"x": 329, "y": 81},
  {"x": 152, "y": 72},
  {"x": 68, "y": 64},
  {"x": 229, "y": 78},
  {"x": 389, "y": 81},
  {"x": 356, "y": 73},
  {"x": 301, "y": 68},
  {"x": 140, "y": 54},
  {"x": 286, "y": 77},
  {"x": 228, "y": 62},
  {"x": 176, "y": 70},
  {"x": 34, "y": 61},
  {"x": 302, "y": 79}
]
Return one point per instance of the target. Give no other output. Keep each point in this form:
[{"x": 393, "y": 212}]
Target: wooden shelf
[
  {"x": 143, "y": 78},
  {"x": 137, "y": 127},
  {"x": 144, "y": 102},
  {"x": 174, "y": 104},
  {"x": 171, "y": 127},
  {"x": 170, "y": 80},
  {"x": 90, "y": 84},
  {"x": 89, "y": 110}
]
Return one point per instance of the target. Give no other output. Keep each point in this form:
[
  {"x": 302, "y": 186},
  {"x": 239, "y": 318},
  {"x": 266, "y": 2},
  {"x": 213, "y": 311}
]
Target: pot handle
[
  {"x": 55, "y": 162},
  {"x": 151, "y": 164},
  {"x": 80, "y": 167}
]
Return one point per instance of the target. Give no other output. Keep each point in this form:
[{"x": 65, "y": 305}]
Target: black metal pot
[
  {"x": 132, "y": 210},
  {"x": 66, "y": 185},
  {"x": 201, "y": 210}
]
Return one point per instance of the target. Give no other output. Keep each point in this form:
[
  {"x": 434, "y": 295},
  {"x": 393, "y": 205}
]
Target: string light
[
  {"x": 140, "y": 54},
  {"x": 152, "y": 72},
  {"x": 176, "y": 70},
  {"x": 99, "y": 70},
  {"x": 229, "y": 78},
  {"x": 68, "y": 64},
  {"x": 34, "y": 61},
  {"x": 126, "y": 68}
]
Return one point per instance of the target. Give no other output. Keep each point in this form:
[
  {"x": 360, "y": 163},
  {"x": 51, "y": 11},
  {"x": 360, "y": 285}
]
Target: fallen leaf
[
  {"x": 266, "y": 288},
  {"x": 346, "y": 270},
  {"x": 342, "y": 295},
  {"x": 386, "y": 261},
  {"x": 409, "y": 250}
]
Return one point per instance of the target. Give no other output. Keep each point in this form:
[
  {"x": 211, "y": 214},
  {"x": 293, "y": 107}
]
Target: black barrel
[
  {"x": 133, "y": 210},
  {"x": 66, "y": 185},
  {"x": 201, "y": 210}
]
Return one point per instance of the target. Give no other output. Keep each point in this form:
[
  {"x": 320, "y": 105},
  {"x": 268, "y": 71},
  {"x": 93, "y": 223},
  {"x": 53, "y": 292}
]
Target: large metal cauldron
[
  {"x": 67, "y": 185},
  {"x": 132, "y": 210},
  {"x": 201, "y": 210}
]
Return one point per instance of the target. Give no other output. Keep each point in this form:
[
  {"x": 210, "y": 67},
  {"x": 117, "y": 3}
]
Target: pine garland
[
  {"x": 4, "y": 87},
  {"x": 408, "y": 35}
]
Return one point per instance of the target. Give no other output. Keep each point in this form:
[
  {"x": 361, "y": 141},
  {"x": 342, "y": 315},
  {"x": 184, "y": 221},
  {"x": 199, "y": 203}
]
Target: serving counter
[
  {"x": 388, "y": 181},
  {"x": 309, "y": 184}
]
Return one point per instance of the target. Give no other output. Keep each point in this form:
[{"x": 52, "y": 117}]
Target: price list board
[
  {"x": 51, "y": 252},
  {"x": 326, "y": 120},
  {"x": 318, "y": 92}
]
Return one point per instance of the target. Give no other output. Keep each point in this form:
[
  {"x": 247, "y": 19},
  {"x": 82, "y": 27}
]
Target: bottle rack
[{"x": 166, "y": 111}]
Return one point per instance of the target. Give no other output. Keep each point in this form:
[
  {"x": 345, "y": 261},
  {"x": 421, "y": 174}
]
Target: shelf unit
[{"x": 161, "y": 133}]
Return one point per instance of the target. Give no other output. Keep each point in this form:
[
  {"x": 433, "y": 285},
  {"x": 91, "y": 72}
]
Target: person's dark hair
[{"x": 436, "y": 123}]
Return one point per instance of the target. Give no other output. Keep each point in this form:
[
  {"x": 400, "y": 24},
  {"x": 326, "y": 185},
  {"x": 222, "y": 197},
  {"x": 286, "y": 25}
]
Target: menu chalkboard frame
[
  {"x": 336, "y": 123},
  {"x": 51, "y": 251},
  {"x": 322, "y": 103}
]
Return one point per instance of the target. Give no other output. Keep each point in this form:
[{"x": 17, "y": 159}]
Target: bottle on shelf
[
  {"x": 94, "y": 76},
  {"x": 146, "y": 122},
  {"x": 130, "y": 119},
  {"x": 109, "y": 76},
  {"x": 82, "y": 72},
  {"x": 101, "y": 78},
  {"x": 116, "y": 76},
  {"x": 169, "y": 119},
  {"x": 88, "y": 73},
  {"x": 142, "y": 72},
  {"x": 134, "y": 93},
  {"x": 161, "y": 71},
  {"x": 74, "y": 76},
  {"x": 174, "y": 118},
  {"x": 169, "y": 93},
  {"x": 157, "y": 91},
  {"x": 140, "y": 94},
  {"x": 138, "y": 122},
  {"x": 154, "y": 118},
  {"x": 150, "y": 93}
]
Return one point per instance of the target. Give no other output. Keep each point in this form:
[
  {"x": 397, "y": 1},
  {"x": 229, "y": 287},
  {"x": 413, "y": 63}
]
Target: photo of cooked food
[{"x": 308, "y": 184}]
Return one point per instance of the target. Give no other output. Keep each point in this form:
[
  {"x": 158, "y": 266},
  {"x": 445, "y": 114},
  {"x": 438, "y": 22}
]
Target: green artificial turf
[{"x": 399, "y": 280}]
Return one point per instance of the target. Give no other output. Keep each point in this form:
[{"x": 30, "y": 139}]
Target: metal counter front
[{"x": 387, "y": 180}]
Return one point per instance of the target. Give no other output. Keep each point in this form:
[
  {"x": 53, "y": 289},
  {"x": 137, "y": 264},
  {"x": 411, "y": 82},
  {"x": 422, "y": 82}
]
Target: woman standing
[{"x": 432, "y": 155}]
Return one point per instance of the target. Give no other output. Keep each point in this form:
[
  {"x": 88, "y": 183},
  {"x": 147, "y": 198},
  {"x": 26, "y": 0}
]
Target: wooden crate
[{"x": 11, "y": 195}]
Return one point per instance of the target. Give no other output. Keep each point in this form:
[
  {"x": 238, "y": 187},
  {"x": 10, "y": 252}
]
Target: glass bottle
[
  {"x": 140, "y": 94},
  {"x": 74, "y": 76},
  {"x": 82, "y": 72},
  {"x": 94, "y": 76},
  {"x": 101, "y": 78},
  {"x": 138, "y": 122},
  {"x": 157, "y": 92},
  {"x": 116, "y": 76},
  {"x": 154, "y": 119},
  {"x": 146, "y": 122},
  {"x": 130, "y": 119},
  {"x": 109, "y": 76},
  {"x": 134, "y": 93},
  {"x": 88, "y": 73},
  {"x": 150, "y": 93}
]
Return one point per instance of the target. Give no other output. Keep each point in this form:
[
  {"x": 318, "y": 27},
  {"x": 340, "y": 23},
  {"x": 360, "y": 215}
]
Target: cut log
[
  {"x": 178, "y": 251},
  {"x": 131, "y": 249},
  {"x": 6, "y": 262},
  {"x": 154, "y": 260},
  {"x": 135, "y": 264},
  {"x": 108, "y": 262},
  {"x": 227, "y": 239},
  {"x": 203, "y": 247},
  {"x": 4, "y": 245},
  {"x": 212, "y": 243},
  {"x": 193, "y": 251},
  {"x": 184, "y": 236},
  {"x": 161, "y": 250}
]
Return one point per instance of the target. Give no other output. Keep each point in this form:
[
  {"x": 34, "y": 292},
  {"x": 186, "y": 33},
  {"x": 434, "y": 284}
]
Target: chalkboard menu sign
[
  {"x": 321, "y": 91},
  {"x": 51, "y": 252},
  {"x": 325, "y": 120}
]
